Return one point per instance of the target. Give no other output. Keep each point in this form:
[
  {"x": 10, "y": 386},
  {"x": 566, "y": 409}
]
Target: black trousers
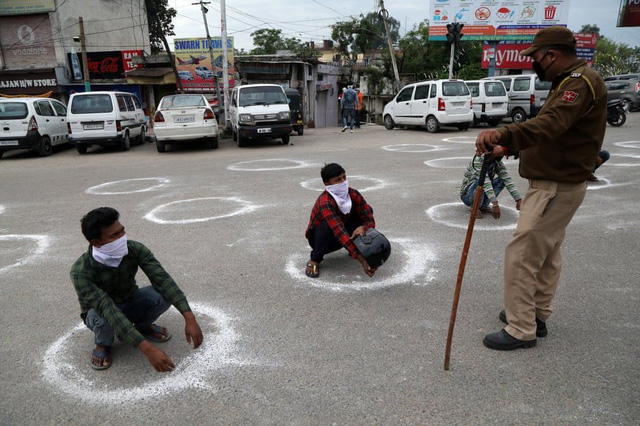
[{"x": 323, "y": 241}]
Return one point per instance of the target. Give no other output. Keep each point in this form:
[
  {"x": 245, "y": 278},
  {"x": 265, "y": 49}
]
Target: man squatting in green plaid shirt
[
  {"x": 111, "y": 302},
  {"x": 492, "y": 187}
]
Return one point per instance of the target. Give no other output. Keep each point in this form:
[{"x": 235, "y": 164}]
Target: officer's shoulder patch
[
  {"x": 576, "y": 74},
  {"x": 570, "y": 96}
]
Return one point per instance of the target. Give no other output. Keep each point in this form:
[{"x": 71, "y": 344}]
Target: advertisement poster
[
  {"x": 194, "y": 63},
  {"x": 26, "y": 7},
  {"x": 26, "y": 42},
  {"x": 629, "y": 13},
  {"x": 508, "y": 53},
  {"x": 107, "y": 65},
  {"x": 496, "y": 20}
]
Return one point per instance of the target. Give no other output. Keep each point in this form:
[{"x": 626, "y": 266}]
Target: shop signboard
[
  {"x": 508, "y": 53},
  {"x": 108, "y": 65},
  {"x": 28, "y": 83},
  {"x": 629, "y": 13},
  {"x": 26, "y": 7},
  {"x": 194, "y": 63},
  {"x": 497, "y": 20}
]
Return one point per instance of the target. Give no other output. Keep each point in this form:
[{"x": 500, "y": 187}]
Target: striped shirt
[
  {"x": 101, "y": 287},
  {"x": 497, "y": 167}
]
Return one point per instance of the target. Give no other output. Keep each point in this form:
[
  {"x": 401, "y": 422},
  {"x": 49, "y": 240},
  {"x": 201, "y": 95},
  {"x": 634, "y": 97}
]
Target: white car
[
  {"x": 185, "y": 117},
  {"x": 431, "y": 104},
  {"x": 204, "y": 72},
  {"x": 112, "y": 119},
  {"x": 185, "y": 75},
  {"x": 35, "y": 124},
  {"x": 527, "y": 94},
  {"x": 490, "y": 101}
]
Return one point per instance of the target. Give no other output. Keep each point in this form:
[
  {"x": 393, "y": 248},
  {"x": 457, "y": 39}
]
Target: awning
[{"x": 151, "y": 76}]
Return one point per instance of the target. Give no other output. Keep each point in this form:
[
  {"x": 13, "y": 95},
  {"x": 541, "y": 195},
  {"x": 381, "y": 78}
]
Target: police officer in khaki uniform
[{"x": 557, "y": 149}]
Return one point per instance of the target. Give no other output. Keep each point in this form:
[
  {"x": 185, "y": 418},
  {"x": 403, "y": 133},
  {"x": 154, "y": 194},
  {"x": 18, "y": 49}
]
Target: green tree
[
  {"x": 159, "y": 17},
  {"x": 364, "y": 34},
  {"x": 590, "y": 28},
  {"x": 268, "y": 41}
]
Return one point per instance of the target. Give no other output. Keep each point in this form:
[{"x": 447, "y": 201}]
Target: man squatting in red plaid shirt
[{"x": 340, "y": 213}]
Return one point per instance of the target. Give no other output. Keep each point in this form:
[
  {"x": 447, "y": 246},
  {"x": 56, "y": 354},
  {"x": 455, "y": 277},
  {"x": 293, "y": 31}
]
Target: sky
[{"x": 310, "y": 20}]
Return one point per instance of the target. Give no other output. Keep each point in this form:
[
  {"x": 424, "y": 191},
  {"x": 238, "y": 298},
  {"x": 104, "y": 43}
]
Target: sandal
[
  {"x": 156, "y": 329},
  {"x": 312, "y": 270},
  {"x": 104, "y": 356}
]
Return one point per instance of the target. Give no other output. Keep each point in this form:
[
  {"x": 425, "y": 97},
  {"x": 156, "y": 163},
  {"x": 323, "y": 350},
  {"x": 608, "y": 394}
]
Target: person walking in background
[
  {"x": 349, "y": 106},
  {"x": 359, "y": 108}
]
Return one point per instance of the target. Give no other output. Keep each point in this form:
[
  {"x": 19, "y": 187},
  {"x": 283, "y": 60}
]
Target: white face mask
[
  {"x": 111, "y": 254},
  {"x": 340, "y": 193}
]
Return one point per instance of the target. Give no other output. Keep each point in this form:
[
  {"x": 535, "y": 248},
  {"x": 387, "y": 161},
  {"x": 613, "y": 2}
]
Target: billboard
[
  {"x": 629, "y": 13},
  {"x": 496, "y": 20},
  {"x": 26, "y": 42},
  {"x": 194, "y": 63},
  {"x": 26, "y": 7},
  {"x": 508, "y": 55}
]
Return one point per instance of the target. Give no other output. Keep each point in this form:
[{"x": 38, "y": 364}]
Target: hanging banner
[
  {"x": 629, "y": 13},
  {"x": 26, "y": 7},
  {"x": 194, "y": 63},
  {"x": 497, "y": 20}
]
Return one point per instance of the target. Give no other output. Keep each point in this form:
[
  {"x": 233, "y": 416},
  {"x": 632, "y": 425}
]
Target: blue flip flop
[
  {"x": 156, "y": 329},
  {"x": 103, "y": 355}
]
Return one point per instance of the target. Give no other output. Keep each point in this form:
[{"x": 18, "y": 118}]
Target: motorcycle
[{"x": 615, "y": 112}]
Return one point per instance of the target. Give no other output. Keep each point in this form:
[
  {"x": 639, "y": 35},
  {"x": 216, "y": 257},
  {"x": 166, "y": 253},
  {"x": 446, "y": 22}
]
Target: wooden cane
[{"x": 465, "y": 251}]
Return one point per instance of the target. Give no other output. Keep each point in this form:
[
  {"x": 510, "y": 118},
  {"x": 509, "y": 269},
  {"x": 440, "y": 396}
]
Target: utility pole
[
  {"x": 85, "y": 62},
  {"x": 385, "y": 15},
  {"x": 225, "y": 59},
  {"x": 215, "y": 78}
]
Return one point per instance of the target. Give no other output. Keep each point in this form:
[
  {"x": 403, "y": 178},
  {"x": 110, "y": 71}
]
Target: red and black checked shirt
[{"x": 327, "y": 209}]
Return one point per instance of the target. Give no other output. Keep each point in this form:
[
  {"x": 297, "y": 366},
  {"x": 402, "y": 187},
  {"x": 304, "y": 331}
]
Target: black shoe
[
  {"x": 541, "y": 329},
  {"x": 503, "y": 341}
]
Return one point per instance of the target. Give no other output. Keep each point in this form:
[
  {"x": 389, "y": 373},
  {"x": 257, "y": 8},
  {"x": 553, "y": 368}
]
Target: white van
[
  {"x": 431, "y": 104},
  {"x": 105, "y": 119},
  {"x": 35, "y": 124},
  {"x": 526, "y": 94},
  {"x": 490, "y": 101},
  {"x": 259, "y": 111}
]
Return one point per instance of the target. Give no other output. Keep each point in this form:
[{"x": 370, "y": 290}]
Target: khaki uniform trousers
[{"x": 532, "y": 261}]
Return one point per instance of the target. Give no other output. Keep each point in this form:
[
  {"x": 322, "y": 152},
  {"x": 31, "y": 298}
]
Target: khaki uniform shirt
[{"x": 561, "y": 143}]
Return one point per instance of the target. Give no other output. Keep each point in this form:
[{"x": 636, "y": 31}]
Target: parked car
[
  {"x": 527, "y": 93},
  {"x": 490, "y": 101},
  {"x": 105, "y": 119},
  {"x": 295, "y": 107},
  {"x": 35, "y": 124},
  {"x": 431, "y": 104},
  {"x": 623, "y": 77},
  {"x": 204, "y": 72},
  {"x": 185, "y": 75},
  {"x": 626, "y": 90},
  {"x": 259, "y": 111},
  {"x": 181, "y": 118}
]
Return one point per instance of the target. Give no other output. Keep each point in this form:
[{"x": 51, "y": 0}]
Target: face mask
[
  {"x": 111, "y": 254},
  {"x": 340, "y": 193},
  {"x": 537, "y": 68}
]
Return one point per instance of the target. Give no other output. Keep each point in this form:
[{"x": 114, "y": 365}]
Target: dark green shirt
[{"x": 102, "y": 287}]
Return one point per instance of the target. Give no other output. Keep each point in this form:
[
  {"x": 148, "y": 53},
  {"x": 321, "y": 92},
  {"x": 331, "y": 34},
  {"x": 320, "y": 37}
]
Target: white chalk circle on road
[
  {"x": 417, "y": 269},
  {"x": 81, "y": 382},
  {"x": 628, "y": 144},
  {"x": 411, "y": 148},
  {"x": 461, "y": 139},
  {"x": 128, "y": 186},
  {"x": 239, "y": 206},
  {"x": 1, "y": 209},
  {"x": 42, "y": 242},
  {"x": 357, "y": 182},
  {"x": 267, "y": 165},
  {"x": 456, "y": 215},
  {"x": 449, "y": 163},
  {"x": 634, "y": 156}
]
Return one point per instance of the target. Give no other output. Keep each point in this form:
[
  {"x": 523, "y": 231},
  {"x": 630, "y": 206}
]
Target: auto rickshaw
[{"x": 295, "y": 106}]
